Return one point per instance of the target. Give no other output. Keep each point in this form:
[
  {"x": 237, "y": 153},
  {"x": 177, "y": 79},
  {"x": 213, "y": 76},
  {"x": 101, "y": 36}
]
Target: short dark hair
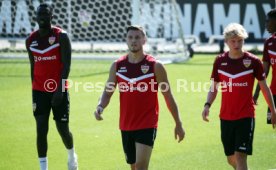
[
  {"x": 46, "y": 5},
  {"x": 136, "y": 28},
  {"x": 272, "y": 13}
]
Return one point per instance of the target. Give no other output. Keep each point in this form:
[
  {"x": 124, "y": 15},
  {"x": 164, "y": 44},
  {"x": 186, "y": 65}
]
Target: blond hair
[{"x": 234, "y": 30}]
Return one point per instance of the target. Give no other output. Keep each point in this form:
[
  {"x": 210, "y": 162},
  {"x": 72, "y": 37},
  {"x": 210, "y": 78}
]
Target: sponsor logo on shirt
[
  {"x": 246, "y": 63},
  {"x": 130, "y": 88},
  {"x": 231, "y": 84},
  {"x": 52, "y": 40},
  {"x": 122, "y": 70},
  {"x": 34, "y": 43},
  {"x": 224, "y": 64},
  {"x": 46, "y": 58},
  {"x": 270, "y": 43},
  {"x": 144, "y": 68}
]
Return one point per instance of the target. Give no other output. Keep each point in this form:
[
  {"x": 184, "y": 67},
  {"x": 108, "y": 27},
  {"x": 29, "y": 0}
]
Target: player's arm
[
  {"x": 109, "y": 89},
  {"x": 266, "y": 66},
  {"x": 269, "y": 99},
  {"x": 162, "y": 80},
  {"x": 31, "y": 59},
  {"x": 65, "y": 51},
  {"x": 212, "y": 94}
]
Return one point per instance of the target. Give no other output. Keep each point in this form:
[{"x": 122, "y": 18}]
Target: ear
[{"x": 144, "y": 40}]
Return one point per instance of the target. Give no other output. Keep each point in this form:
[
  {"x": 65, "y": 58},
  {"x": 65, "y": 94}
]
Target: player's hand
[
  {"x": 179, "y": 132},
  {"x": 205, "y": 113},
  {"x": 57, "y": 98},
  {"x": 273, "y": 119},
  {"x": 98, "y": 113}
]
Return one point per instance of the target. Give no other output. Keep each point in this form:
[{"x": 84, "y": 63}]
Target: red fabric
[
  {"x": 47, "y": 59},
  {"x": 269, "y": 56},
  {"x": 237, "y": 80},
  {"x": 138, "y": 94}
]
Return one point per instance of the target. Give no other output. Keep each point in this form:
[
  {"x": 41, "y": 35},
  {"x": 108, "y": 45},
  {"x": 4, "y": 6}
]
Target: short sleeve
[
  {"x": 215, "y": 75},
  {"x": 259, "y": 70}
]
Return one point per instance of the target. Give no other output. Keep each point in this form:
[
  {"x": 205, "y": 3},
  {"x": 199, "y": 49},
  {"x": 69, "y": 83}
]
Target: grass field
[{"x": 98, "y": 144}]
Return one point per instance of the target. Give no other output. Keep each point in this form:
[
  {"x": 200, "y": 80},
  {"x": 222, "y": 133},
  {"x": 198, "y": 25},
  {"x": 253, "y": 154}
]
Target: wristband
[{"x": 207, "y": 104}]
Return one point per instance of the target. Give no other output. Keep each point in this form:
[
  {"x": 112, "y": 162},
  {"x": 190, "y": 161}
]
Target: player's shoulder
[
  {"x": 251, "y": 56},
  {"x": 57, "y": 29},
  {"x": 150, "y": 58},
  {"x": 122, "y": 58},
  {"x": 31, "y": 37},
  {"x": 221, "y": 57},
  {"x": 270, "y": 39},
  {"x": 33, "y": 34}
]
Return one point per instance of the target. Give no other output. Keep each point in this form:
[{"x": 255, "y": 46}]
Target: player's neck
[
  {"x": 236, "y": 54},
  {"x": 135, "y": 57},
  {"x": 44, "y": 31}
]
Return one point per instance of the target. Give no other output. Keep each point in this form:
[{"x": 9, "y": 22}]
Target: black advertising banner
[{"x": 204, "y": 18}]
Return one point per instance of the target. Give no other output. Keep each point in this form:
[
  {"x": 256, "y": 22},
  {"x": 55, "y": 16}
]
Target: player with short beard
[{"x": 139, "y": 109}]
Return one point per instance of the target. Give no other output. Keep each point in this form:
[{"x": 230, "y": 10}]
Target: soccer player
[
  {"x": 49, "y": 52},
  {"x": 138, "y": 76},
  {"x": 269, "y": 58},
  {"x": 236, "y": 70}
]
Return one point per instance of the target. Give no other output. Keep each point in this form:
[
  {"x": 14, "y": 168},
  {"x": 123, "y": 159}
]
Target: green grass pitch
[{"x": 98, "y": 144}]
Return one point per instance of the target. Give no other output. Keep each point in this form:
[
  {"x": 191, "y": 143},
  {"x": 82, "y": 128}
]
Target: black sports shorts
[
  {"x": 42, "y": 105},
  {"x": 129, "y": 138},
  {"x": 237, "y": 135}
]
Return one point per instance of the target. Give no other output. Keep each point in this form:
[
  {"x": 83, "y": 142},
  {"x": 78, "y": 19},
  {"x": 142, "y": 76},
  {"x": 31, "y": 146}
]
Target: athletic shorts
[
  {"x": 268, "y": 117},
  {"x": 129, "y": 138},
  {"x": 42, "y": 105},
  {"x": 237, "y": 135}
]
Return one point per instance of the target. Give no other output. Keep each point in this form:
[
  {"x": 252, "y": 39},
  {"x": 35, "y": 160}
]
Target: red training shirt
[
  {"x": 236, "y": 77},
  {"x": 138, "y": 93},
  {"x": 269, "y": 56},
  {"x": 47, "y": 58}
]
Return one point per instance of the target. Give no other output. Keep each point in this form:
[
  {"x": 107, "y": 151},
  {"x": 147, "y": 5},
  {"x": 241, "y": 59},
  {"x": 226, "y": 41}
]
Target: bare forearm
[
  {"x": 171, "y": 104},
  {"x": 105, "y": 98},
  {"x": 268, "y": 97},
  {"x": 211, "y": 96}
]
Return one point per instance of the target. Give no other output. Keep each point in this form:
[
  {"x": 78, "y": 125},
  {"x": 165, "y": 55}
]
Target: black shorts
[
  {"x": 268, "y": 117},
  {"x": 237, "y": 135},
  {"x": 129, "y": 138},
  {"x": 42, "y": 105}
]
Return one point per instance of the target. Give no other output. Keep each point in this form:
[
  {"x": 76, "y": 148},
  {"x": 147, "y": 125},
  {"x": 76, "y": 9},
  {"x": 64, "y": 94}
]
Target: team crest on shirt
[
  {"x": 51, "y": 40},
  {"x": 144, "y": 68},
  {"x": 246, "y": 63}
]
